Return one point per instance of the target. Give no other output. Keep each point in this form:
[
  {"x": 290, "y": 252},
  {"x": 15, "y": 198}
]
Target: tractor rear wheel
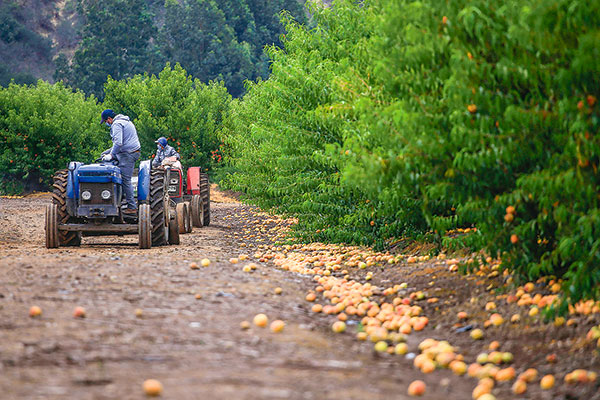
[
  {"x": 205, "y": 194},
  {"x": 182, "y": 217},
  {"x": 174, "y": 230},
  {"x": 159, "y": 207},
  {"x": 189, "y": 225},
  {"x": 144, "y": 226},
  {"x": 197, "y": 211},
  {"x": 59, "y": 197},
  {"x": 51, "y": 226}
]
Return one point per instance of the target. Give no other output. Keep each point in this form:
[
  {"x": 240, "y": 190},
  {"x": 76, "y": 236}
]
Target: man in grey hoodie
[{"x": 125, "y": 149}]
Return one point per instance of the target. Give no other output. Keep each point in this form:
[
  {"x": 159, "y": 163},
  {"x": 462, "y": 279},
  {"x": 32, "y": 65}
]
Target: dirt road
[{"x": 195, "y": 347}]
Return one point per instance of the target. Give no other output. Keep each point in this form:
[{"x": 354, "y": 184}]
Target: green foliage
[
  {"x": 211, "y": 39},
  {"x": 42, "y": 128},
  {"x": 187, "y": 112},
  {"x": 116, "y": 42},
  {"x": 395, "y": 117}
]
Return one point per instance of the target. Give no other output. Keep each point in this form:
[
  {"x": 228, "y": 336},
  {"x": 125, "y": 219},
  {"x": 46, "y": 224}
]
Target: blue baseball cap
[
  {"x": 162, "y": 141},
  {"x": 106, "y": 114}
]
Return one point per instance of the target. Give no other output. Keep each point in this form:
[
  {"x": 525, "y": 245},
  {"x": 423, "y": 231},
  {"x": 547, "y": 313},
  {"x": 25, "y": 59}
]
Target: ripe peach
[
  {"x": 416, "y": 388},
  {"x": 528, "y": 375},
  {"x": 519, "y": 387},
  {"x": 338, "y": 326},
  {"x": 381, "y": 346},
  {"x": 510, "y": 210},
  {"x": 444, "y": 20},
  {"x": 477, "y": 334},
  {"x": 245, "y": 325},
  {"x": 547, "y": 382},
  {"x": 260, "y": 320},
  {"x": 197, "y": 296},
  {"x": 472, "y": 108},
  {"x": 506, "y": 374},
  {"x": 205, "y": 262},
  {"x": 496, "y": 319},
  {"x": 480, "y": 390},
  {"x": 139, "y": 313},
  {"x": 509, "y": 217},
  {"x": 311, "y": 297},
  {"x": 514, "y": 239},
  {"x": 233, "y": 260},
  {"x": 362, "y": 336},
  {"x": 427, "y": 366},
  {"x": 495, "y": 345},
  {"x": 458, "y": 367},
  {"x": 247, "y": 268},
  {"x": 193, "y": 265},
  {"x": 487, "y": 396},
  {"x": 35, "y": 311},
  {"x": 533, "y": 311},
  {"x": 462, "y": 315},
  {"x": 401, "y": 348},
  {"x": 152, "y": 387},
  {"x": 277, "y": 325},
  {"x": 317, "y": 308},
  {"x": 79, "y": 312},
  {"x": 278, "y": 290}
]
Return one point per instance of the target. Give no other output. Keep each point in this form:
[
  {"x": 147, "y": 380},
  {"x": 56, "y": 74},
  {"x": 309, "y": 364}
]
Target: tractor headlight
[
  {"x": 86, "y": 195},
  {"x": 174, "y": 181},
  {"x": 105, "y": 194}
]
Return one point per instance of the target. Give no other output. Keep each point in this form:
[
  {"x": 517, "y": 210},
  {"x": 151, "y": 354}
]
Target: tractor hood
[{"x": 100, "y": 173}]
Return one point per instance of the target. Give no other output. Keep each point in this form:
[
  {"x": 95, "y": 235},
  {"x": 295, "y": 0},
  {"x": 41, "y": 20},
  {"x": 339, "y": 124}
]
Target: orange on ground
[
  {"x": 152, "y": 387},
  {"x": 260, "y": 320},
  {"x": 277, "y": 326},
  {"x": 416, "y": 388},
  {"x": 35, "y": 311}
]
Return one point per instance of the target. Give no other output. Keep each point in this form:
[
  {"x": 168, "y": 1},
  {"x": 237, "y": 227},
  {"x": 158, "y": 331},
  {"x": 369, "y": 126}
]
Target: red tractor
[{"x": 191, "y": 197}]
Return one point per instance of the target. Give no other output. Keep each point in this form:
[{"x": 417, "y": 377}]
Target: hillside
[{"x": 82, "y": 42}]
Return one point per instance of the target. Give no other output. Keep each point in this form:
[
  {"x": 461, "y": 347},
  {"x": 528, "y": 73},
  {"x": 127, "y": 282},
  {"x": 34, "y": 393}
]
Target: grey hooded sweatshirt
[{"x": 124, "y": 136}]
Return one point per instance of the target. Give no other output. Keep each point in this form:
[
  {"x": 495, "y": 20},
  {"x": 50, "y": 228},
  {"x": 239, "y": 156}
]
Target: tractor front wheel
[
  {"x": 52, "y": 241},
  {"x": 59, "y": 198}
]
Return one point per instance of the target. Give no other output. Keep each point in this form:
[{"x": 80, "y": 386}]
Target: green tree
[
  {"x": 117, "y": 41},
  {"x": 187, "y": 112}
]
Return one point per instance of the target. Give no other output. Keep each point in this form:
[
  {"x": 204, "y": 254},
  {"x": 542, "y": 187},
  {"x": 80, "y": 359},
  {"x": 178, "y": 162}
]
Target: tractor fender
[
  {"x": 72, "y": 187},
  {"x": 144, "y": 181}
]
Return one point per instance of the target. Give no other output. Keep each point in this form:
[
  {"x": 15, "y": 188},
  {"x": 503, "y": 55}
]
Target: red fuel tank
[{"x": 193, "y": 180}]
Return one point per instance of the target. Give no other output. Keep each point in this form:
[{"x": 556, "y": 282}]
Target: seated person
[{"x": 165, "y": 154}]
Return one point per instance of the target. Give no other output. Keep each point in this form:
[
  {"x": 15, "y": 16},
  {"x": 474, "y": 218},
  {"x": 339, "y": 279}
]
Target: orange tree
[
  {"x": 395, "y": 117},
  {"x": 185, "y": 111},
  {"x": 42, "y": 128}
]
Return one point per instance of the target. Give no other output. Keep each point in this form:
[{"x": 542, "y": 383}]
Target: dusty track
[{"x": 194, "y": 347}]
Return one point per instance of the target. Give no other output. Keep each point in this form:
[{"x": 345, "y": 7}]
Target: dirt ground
[{"x": 196, "y": 348}]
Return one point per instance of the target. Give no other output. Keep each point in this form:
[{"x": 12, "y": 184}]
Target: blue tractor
[{"x": 86, "y": 201}]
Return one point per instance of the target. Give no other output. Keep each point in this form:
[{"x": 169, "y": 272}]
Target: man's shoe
[{"x": 130, "y": 212}]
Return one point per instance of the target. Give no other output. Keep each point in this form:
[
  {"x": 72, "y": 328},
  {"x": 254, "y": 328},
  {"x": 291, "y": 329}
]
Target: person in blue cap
[
  {"x": 125, "y": 149},
  {"x": 163, "y": 151}
]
